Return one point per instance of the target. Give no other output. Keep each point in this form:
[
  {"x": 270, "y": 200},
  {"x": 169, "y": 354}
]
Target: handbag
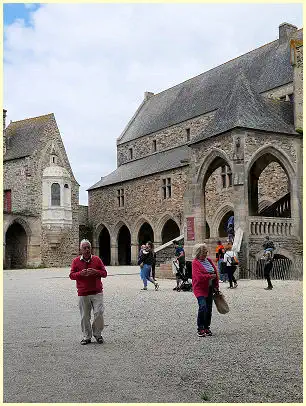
[{"x": 220, "y": 303}]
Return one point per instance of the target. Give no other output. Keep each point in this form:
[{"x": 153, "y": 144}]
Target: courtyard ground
[{"x": 151, "y": 351}]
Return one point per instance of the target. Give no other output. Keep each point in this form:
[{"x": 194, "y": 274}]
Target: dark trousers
[
  {"x": 205, "y": 309},
  {"x": 153, "y": 271},
  {"x": 267, "y": 269},
  {"x": 230, "y": 271}
]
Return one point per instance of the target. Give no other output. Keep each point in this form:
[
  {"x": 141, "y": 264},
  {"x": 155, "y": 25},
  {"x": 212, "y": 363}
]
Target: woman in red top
[{"x": 204, "y": 282}]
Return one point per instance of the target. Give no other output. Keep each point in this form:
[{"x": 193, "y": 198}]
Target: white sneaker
[{"x": 220, "y": 281}]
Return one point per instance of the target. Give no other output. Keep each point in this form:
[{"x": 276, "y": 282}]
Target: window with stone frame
[
  {"x": 188, "y": 134},
  {"x": 7, "y": 201},
  {"x": 55, "y": 194},
  {"x": 154, "y": 148},
  {"x": 166, "y": 188},
  {"x": 130, "y": 153},
  {"x": 120, "y": 197},
  {"x": 226, "y": 177}
]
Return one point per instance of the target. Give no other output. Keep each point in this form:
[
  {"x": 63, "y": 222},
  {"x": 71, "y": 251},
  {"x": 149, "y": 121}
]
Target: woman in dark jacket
[{"x": 145, "y": 261}]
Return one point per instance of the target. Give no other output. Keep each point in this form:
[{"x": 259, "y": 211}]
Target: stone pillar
[
  {"x": 296, "y": 59},
  {"x": 114, "y": 254},
  {"x": 134, "y": 253}
]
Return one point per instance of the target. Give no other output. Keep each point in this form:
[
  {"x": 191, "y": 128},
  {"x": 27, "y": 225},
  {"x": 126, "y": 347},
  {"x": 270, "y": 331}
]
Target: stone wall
[
  {"x": 83, "y": 215},
  {"x": 143, "y": 200},
  {"x": 280, "y": 91},
  {"x": 170, "y": 137},
  {"x": 24, "y": 178},
  {"x": 298, "y": 88}
]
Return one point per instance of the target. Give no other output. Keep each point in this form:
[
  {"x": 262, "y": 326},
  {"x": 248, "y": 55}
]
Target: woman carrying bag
[
  {"x": 231, "y": 263},
  {"x": 205, "y": 283}
]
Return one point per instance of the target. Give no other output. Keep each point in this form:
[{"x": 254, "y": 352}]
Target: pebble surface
[{"x": 151, "y": 351}]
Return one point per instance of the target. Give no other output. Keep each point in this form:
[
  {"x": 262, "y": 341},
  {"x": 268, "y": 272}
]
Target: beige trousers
[{"x": 86, "y": 303}]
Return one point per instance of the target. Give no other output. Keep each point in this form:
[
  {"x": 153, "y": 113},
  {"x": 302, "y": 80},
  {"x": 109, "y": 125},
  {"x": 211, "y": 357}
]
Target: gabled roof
[
  {"x": 243, "y": 107},
  {"x": 24, "y": 136},
  {"x": 159, "y": 162},
  {"x": 266, "y": 68}
]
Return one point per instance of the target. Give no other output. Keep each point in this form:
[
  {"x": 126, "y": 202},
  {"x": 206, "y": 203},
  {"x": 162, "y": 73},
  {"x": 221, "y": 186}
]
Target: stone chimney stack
[
  {"x": 148, "y": 95},
  {"x": 285, "y": 32},
  {"x": 4, "y": 119}
]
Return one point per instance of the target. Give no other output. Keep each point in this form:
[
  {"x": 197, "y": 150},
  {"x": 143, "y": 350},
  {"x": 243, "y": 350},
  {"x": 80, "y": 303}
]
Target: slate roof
[
  {"x": 24, "y": 136},
  {"x": 243, "y": 107},
  {"x": 265, "y": 68},
  {"x": 159, "y": 162}
]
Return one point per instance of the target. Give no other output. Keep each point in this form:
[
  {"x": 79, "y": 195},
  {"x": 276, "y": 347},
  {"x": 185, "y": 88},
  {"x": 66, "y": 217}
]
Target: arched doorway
[
  {"x": 223, "y": 224},
  {"x": 170, "y": 231},
  {"x": 15, "y": 247},
  {"x": 105, "y": 246},
  {"x": 124, "y": 246},
  {"x": 217, "y": 190},
  {"x": 145, "y": 234},
  {"x": 269, "y": 181}
]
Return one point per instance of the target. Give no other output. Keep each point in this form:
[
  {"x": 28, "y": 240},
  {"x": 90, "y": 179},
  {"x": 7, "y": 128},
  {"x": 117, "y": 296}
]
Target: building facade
[
  {"x": 228, "y": 141},
  {"x": 41, "y": 195}
]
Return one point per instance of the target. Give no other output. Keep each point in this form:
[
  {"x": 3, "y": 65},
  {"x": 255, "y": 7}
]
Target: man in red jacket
[{"x": 87, "y": 270}]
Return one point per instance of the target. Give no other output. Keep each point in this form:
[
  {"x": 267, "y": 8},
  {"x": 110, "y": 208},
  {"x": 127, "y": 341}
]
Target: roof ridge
[
  {"x": 32, "y": 118},
  {"x": 215, "y": 67}
]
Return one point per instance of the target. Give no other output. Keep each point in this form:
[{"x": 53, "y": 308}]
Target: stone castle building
[
  {"x": 41, "y": 196},
  {"x": 228, "y": 141}
]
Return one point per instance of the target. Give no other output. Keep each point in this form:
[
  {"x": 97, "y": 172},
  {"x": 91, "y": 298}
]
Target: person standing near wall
[
  {"x": 180, "y": 257},
  {"x": 220, "y": 251},
  {"x": 87, "y": 270},
  {"x": 231, "y": 263},
  {"x": 145, "y": 262},
  {"x": 267, "y": 269}
]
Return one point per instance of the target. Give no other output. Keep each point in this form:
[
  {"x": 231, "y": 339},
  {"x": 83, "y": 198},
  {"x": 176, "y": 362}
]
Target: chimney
[
  {"x": 4, "y": 119},
  {"x": 148, "y": 95},
  {"x": 285, "y": 32}
]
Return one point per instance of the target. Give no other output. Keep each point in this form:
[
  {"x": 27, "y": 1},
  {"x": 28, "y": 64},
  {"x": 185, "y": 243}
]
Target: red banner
[{"x": 190, "y": 228}]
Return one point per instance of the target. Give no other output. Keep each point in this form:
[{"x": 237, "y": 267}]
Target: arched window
[{"x": 55, "y": 194}]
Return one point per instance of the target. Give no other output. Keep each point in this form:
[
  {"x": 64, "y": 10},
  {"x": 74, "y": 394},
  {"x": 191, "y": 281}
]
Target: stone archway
[
  {"x": 223, "y": 223},
  {"x": 16, "y": 244},
  {"x": 145, "y": 234},
  {"x": 215, "y": 180},
  {"x": 105, "y": 246},
  {"x": 259, "y": 163},
  {"x": 124, "y": 246},
  {"x": 169, "y": 231}
]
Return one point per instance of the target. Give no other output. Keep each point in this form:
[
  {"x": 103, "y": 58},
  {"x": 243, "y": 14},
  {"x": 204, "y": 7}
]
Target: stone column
[
  {"x": 134, "y": 253},
  {"x": 114, "y": 253}
]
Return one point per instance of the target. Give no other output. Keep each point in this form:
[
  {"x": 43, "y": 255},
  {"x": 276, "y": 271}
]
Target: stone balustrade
[{"x": 270, "y": 226}]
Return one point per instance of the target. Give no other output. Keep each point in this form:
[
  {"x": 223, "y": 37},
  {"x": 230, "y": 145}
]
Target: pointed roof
[
  {"x": 23, "y": 136},
  {"x": 243, "y": 107},
  {"x": 155, "y": 163},
  {"x": 266, "y": 67}
]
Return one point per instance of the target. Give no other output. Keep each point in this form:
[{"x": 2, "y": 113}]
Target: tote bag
[{"x": 220, "y": 303}]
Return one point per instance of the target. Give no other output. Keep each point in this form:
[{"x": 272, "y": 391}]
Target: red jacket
[
  {"x": 201, "y": 278},
  {"x": 88, "y": 285}
]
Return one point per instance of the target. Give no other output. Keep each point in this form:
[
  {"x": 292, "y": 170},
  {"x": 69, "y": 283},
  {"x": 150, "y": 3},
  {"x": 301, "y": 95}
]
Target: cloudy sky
[{"x": 90, "y": 64}]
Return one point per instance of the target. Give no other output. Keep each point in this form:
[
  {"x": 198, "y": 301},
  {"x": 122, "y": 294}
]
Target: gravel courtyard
[{"x": 151, "y": 351}]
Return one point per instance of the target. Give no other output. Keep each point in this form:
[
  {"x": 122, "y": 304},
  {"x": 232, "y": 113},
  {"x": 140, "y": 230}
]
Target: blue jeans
[
  {"x": 204, "y": 312},
  {"x": 145, "y": 274},
  {"x": 222, "y": 276}
]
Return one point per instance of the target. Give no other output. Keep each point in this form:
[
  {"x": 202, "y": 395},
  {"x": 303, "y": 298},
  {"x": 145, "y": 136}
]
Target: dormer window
[
  {"x": 131, "y": 153},
  {"x": 154, "y": 146}
]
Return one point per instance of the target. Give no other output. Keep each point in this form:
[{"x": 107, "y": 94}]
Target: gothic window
[
  {"x": 120, "y": 197},
  {"x": 55, "y": 194},
  {"x": 66, "y": 186},
  {"x": 226, "y": 176},
  {"x": 166, "y": 188},
  {"x": 7, "y": 201}
]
